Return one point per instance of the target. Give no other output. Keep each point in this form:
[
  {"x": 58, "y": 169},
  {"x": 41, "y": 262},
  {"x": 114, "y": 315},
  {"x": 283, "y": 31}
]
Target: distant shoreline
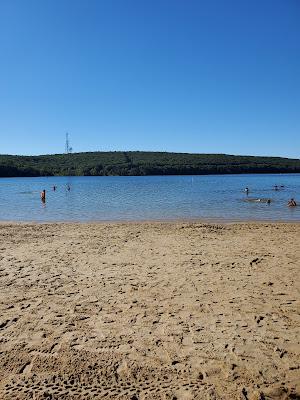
[
  {"x": 143, "y": 176},
  {"x": 139, "y": 163}
]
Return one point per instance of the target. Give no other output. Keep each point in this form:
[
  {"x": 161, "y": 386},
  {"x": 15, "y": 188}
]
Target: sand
[{"x": 149, "y": 311}]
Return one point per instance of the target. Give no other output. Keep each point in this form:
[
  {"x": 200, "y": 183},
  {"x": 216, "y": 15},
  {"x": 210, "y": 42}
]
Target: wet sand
[{"x": 149, "y": 311}]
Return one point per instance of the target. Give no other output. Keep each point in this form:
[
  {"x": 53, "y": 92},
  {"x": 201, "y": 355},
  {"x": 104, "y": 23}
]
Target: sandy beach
[{"x": 149, "y": 311}]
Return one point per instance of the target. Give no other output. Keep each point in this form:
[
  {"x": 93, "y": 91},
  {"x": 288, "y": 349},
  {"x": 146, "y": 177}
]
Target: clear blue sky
[{"x": 214, "y": 76}]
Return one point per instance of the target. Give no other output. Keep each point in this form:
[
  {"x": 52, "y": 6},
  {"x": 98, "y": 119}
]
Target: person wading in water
[{"x": 43, "y": 196}]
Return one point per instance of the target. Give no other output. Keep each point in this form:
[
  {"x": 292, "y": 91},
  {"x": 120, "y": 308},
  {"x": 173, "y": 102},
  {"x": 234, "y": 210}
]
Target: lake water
[{"x": 214, "y": 197}]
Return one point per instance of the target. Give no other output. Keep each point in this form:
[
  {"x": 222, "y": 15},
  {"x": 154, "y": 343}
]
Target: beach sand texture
[{"x": 149, "y": 311}]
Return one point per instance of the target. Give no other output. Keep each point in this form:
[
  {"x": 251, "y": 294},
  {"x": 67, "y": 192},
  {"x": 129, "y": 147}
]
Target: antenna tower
[{"x": 68, "y": 148}]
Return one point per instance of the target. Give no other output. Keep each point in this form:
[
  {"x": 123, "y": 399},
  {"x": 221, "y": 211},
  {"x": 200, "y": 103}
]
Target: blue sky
[{"x": 214, "y": 76}]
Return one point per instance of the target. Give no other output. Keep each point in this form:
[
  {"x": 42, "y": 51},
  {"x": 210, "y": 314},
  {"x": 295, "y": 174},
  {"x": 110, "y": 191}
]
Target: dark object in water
[{"x": 292, "y": 203}]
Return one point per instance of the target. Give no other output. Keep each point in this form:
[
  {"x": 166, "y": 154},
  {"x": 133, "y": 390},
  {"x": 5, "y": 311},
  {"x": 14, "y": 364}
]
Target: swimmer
[
  {"x": 68, "y": 188},
  {"x": 292, "y": 203},
  {"x": 54, "y": 188},
  {"x": 259, "y": 200},
  {"x": 275, "y": 187},
  {"x": 247, "y": 190},
  {"x": 43, "y": 195}
]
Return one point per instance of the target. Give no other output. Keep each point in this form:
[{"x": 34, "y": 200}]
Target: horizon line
[{"x": 146, "y": 151}]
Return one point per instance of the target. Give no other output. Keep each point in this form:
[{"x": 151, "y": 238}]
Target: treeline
[{"x": 142, "y": 163}]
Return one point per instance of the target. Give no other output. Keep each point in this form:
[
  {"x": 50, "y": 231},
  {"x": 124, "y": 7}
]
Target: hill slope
[{"x": 142, "y": 163}]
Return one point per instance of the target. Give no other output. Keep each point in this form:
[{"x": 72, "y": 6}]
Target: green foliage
[{"x": 142, "y": 163}]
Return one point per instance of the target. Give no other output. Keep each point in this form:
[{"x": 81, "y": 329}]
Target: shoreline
[
  {"x": 136, "y": 176},
  {"x": 153, "y": 221}
]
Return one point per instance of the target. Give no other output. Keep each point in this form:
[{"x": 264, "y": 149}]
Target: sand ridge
[{"x": 149, "y": 311}]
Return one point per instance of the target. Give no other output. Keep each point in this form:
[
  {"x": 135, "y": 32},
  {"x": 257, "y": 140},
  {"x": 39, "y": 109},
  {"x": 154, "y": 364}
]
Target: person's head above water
[{"x": 292, "y": 202}]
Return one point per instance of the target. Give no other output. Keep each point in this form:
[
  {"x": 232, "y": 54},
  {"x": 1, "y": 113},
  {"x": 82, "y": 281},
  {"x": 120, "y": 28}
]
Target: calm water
[{"x": 145, "y": 198}]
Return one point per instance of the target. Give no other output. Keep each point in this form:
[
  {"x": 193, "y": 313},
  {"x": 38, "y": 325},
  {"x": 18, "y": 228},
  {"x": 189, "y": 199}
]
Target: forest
[{"x": 141, "y": 163}]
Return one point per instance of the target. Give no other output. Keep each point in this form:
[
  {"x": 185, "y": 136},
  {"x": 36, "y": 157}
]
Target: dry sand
[{"x": 149, "y": 311}]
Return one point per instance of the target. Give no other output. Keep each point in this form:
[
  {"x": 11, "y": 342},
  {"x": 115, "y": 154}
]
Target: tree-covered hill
[{"x": 142, "y": 163}]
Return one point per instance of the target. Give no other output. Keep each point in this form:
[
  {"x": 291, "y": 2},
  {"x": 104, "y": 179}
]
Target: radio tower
[{"x": 68, "y": 148}]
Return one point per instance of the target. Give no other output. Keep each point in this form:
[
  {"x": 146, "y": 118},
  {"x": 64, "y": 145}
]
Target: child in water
[
  {"x": 292, "y": 203},
  {"x": 43, "y": 195}
]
